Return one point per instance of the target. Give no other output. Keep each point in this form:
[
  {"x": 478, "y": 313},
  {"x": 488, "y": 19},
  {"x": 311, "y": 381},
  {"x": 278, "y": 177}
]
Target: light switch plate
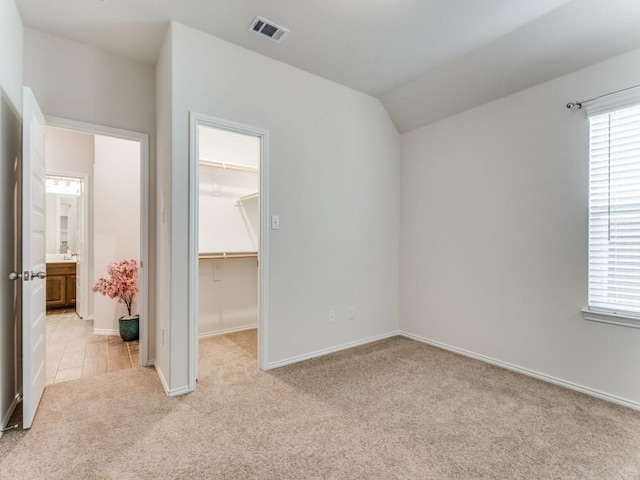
[{"x": 275, "y": 222}]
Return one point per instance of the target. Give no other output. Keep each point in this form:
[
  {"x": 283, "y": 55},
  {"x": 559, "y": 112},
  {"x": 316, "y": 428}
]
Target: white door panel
[
  {"x": 33, "y": 257},
  {"x": 78, "y": 289},
  {"x": 79, "y": 250}
]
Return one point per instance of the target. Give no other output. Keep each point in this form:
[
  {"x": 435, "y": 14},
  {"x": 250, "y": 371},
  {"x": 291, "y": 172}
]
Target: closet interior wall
[{"x": 228, "y": 245}]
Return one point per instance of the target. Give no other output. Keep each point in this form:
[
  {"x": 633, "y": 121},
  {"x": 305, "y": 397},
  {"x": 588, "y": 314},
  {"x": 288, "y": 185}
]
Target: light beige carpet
[{"x": 393, "y": 409}]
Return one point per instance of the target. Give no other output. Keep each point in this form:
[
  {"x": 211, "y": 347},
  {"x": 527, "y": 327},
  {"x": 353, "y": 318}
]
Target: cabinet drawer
[{"x": 61, "y": 268}]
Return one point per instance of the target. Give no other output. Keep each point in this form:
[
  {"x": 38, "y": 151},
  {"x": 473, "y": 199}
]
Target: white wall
[
  {"x": 224, "y": 225},
  {"x": 164, "y": 82},
  {"x": 72, "y": 152},
  {"x": 494, "y": 209},
  {"x": 334, "y": 181},
  {"x": 11, "y": 52},
  {"x": 221, "y": 145},
  {"x": 228, "y": 299},
  {"x": 79, "y": 82},
  {"x": 10, "y": 154},
  {"x": 116, "y": 219},
  {"x": 75, "y": 81},
  {"x": 68, "y": 151}
]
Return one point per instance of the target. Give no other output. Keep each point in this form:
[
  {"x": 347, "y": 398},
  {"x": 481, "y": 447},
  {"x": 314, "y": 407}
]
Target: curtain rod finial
[{"x": 574, "y": 106}]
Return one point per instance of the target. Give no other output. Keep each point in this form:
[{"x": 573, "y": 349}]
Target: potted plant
[{"x": 123, "y": 285}]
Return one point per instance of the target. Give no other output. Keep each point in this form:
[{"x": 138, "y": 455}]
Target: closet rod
[
  {"x": 225, "y": 255},
  {"x": 227, "y": 166}
]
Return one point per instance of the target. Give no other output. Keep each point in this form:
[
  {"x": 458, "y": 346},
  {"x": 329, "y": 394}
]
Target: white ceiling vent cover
[{"x": 267, "y": 28}]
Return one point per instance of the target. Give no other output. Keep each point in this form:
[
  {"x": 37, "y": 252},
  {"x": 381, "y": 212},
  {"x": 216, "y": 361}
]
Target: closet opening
[{"x": 227, "y": 227}]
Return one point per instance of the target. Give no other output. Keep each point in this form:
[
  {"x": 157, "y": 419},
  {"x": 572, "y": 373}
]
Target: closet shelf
[
  {"x": 227, "y": 166},
  {"x": 225, "y": 255},
  {"x": 251, "y": 196}
]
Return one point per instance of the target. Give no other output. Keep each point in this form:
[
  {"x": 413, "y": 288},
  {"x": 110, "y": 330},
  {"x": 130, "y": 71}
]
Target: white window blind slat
[{"x": 614, "y": 211}]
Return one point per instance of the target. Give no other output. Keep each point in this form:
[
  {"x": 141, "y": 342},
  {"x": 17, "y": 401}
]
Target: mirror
[{"x": 62, "y": 215}]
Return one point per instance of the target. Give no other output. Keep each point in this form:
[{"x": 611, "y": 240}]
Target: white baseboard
[
  {"x": 165, "y": 385},
  {"x": 226, "y": 331},
  {"x": 327, "y": 351},
  {"x": 176, "y": 392},
  {"x": 526, "y": 371},
  {"x": 7, "y": 415},
  {"x": 170, "y": 393},
  {"x": 105, "y": 331}
]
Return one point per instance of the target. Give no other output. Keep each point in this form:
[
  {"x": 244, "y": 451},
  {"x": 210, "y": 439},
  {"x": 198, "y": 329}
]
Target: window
[{"x": 614, "y": 213}]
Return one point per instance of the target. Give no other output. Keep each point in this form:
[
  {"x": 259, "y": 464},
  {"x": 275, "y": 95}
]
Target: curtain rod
[{"x": 575, "y": 106}]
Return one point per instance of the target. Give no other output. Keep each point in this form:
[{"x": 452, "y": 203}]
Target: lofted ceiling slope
[
  {"x": 426, "y": 59},
  {"x": 574, "y": 36}
]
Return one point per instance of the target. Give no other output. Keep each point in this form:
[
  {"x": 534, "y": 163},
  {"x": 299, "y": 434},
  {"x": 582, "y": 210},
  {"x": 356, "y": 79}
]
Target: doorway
[
  {"x": 111, "y": 167},
  {"x": 228, "y": 238},
  {"x": 67, "y": 229}
]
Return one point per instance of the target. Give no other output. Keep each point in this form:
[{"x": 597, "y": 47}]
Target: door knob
[
  {"x": 38, "y": 275},
  {"x": 15, "y": 275}
]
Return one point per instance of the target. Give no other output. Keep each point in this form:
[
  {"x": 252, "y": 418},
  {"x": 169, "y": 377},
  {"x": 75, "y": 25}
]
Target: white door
[
  {"x": 79, "y": 304},
  {"x": 79, "y": 250},
  {"x": 33, "y": 257}
]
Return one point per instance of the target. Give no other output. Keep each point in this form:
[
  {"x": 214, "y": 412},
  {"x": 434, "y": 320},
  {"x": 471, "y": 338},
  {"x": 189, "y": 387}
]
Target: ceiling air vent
[{"x": 265, "y": 27}]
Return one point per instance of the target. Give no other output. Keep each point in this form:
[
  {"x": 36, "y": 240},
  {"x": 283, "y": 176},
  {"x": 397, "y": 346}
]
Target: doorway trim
[
  {"x": 143, "y": 138},
  {"x": 196, "y": 120}
]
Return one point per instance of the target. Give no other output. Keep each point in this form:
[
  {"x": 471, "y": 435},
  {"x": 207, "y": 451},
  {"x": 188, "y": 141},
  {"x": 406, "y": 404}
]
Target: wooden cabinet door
[
  {"x": 71, "y": 290},
  {"x": 61, "y": 285},
  {"x": 56, "y": 291}
]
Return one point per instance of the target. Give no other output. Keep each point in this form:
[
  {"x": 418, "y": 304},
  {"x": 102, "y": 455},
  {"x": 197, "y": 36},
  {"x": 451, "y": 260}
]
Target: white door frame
[
  {"x": 84, "y": 264},
  {"x": 143, "y": 138},
  {"x": 196, "y": 120}
]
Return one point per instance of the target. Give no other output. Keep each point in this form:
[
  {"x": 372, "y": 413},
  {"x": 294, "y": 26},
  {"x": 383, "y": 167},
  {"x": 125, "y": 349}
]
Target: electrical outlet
[
  {"x": 332, "y": 316},
  {"x": 352, "y": 313}
]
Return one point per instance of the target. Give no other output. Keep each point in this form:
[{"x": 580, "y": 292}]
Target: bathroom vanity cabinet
[{"x": 61, "y": 285}]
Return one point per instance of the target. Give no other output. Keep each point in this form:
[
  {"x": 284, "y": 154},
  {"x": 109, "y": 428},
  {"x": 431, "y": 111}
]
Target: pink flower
[{"x": 122, "y": 283}]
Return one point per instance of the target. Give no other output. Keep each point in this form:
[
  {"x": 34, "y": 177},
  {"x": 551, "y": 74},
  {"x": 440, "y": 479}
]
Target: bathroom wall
[
  {"x": 116, "y": 219},
  {"x": 72, "y": 153}
]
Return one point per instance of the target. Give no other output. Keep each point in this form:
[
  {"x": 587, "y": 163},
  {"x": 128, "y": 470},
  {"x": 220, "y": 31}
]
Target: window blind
[{"x": 614, "y": 212}]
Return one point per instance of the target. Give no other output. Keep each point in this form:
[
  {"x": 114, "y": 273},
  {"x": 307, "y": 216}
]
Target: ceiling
[{"x": 426, "y": 59}]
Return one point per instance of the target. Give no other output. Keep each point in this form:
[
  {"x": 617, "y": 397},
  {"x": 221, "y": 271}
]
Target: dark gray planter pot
[{"x": 129, "y": 328}]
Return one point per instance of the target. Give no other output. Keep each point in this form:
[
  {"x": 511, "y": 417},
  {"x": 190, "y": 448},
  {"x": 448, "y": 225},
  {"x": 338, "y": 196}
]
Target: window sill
[{"x": 611, "y": 318}]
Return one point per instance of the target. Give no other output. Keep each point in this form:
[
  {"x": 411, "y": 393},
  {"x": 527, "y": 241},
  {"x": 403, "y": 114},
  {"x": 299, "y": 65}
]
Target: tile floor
[{"x": 74, "y": 352}]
